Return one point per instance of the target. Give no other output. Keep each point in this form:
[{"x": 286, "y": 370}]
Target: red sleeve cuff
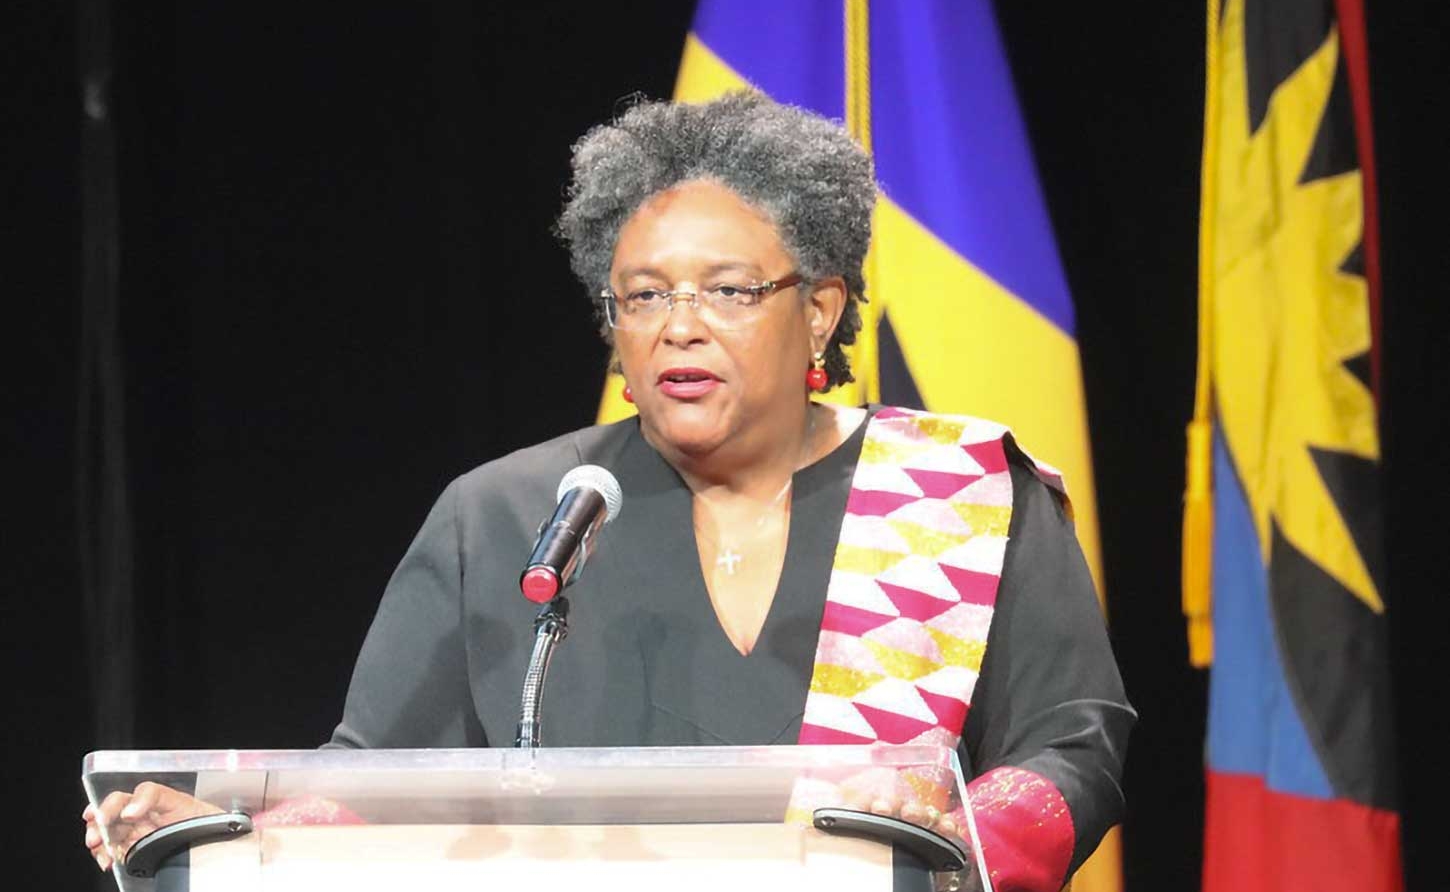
[{"x": 1025, "y": 829}]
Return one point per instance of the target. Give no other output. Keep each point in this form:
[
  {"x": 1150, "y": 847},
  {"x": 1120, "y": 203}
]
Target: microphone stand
[{"x": 550, "y": 627}]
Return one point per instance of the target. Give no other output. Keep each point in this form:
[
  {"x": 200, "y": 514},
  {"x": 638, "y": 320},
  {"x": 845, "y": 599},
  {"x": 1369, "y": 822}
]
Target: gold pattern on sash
[
  {"x": 959, "y": 651},
  {"x": 866, "y": 561},
  {"x": 985, "y": 520},
  {"x": 842, "y": 682},
  {"x": 891, "y": 452},
  {"x": 924, "y": 541},
  {"x": 899, "y": 663},
  {"x": 939, "y": 429}
]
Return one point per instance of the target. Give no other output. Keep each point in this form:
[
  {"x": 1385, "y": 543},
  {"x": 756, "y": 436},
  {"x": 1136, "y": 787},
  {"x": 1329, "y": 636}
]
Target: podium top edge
[{"x": 502, "y": 759}]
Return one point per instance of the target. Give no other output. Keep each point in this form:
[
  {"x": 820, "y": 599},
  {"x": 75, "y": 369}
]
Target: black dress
[{"x": 646, "y": 662}]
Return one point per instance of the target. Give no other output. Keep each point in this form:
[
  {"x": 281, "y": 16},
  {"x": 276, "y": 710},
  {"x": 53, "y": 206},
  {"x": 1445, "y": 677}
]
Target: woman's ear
[{"x": 827, "y": 302}]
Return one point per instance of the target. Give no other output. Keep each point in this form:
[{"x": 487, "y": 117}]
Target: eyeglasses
[{"x": 724, "y": 305}]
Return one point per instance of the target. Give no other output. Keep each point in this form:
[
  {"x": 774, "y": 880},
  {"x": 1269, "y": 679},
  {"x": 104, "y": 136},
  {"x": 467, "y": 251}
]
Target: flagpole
[{"x": 865, "y": 359}]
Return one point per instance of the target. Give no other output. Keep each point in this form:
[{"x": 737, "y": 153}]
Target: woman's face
[{"x": 699, "y": 388}]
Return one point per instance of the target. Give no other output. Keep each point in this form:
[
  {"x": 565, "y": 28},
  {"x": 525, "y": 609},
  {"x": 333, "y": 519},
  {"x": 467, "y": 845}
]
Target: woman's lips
[{"x": 687, "y": 384}]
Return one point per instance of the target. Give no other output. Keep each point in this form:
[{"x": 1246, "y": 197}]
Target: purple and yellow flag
[{"x": 969, "y": 309}]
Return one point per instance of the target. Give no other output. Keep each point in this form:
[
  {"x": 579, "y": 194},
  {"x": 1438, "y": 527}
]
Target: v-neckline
[
  {"x": 804, "y": 483},
  {"x": 692, "y": 674},
  {"x": 710, "y": 594}
]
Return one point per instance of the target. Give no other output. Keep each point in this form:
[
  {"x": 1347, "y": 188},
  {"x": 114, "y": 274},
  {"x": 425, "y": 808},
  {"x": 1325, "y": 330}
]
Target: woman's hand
[
  {"x": 123, "y": 818},
  {"x": 912, "y": 796}
]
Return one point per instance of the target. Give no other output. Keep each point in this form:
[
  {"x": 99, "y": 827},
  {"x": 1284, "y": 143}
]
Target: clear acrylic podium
[{"x": 737, "y": 818}]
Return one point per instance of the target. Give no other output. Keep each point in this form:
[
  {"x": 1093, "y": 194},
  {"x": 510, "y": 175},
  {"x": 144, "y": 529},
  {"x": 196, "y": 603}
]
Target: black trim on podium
[{"x": 147, "y": 855}]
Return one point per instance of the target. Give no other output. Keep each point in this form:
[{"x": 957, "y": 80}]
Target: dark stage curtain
[{"x": 318, "y": 281}]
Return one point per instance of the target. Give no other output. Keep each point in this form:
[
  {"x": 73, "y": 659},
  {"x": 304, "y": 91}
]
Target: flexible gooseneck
[{"x": 550, "y": 627}]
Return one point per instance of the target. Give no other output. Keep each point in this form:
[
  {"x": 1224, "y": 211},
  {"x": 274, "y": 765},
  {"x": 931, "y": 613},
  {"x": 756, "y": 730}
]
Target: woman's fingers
[
  {"x": 121, "y": 819},
  {"x": 110, "y": 809},
  {"x": 884, "y": 805},
  {"x": 145, "y": 798},
  {"x": 915, "y": 813},
  {"x": 94, "y": 844},
  {"x": 111, "y": 806}
]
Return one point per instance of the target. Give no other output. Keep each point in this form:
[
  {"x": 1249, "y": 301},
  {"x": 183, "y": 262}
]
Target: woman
[{"x": 781, "y": 570}]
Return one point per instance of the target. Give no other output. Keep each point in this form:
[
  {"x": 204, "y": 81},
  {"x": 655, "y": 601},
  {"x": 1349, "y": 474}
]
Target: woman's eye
[{"x": 739, "y": 294}]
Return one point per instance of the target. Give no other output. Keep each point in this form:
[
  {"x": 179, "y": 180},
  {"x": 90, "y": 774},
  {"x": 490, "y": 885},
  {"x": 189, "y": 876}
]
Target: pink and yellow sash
[
  {"x": 914, "y": 581},
  {"x": 908, "y": 608}
]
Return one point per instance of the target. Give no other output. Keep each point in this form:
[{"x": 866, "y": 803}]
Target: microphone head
[{"x": 599, "y": 480}]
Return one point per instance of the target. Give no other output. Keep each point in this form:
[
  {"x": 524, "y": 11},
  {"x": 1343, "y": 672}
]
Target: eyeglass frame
[{"x": 669, "y": 298}]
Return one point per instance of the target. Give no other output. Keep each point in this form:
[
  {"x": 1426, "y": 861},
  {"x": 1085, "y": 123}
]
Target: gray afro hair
[{"x": 804, "y": 171}]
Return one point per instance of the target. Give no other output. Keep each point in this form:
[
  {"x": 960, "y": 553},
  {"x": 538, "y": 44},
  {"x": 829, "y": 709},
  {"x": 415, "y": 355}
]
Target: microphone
[{"x": 589, "y": 497}]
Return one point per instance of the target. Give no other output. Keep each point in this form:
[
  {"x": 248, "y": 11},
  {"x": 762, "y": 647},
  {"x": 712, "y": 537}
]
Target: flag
[
  {"x": 1287, "y": 549},
  {"x": 969, "y": 310}
]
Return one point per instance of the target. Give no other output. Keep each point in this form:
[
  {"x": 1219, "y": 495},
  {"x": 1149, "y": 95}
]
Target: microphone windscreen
[{"x": 598, "y": 479}]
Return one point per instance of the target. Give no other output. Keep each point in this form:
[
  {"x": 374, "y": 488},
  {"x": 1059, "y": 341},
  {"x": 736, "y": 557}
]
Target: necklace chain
[
  {"x": 727, "y": 553},
  {"x": 728, "y": 556}
]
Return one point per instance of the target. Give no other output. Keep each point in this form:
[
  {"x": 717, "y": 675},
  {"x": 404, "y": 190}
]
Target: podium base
[{"x": 638, "y": 858}]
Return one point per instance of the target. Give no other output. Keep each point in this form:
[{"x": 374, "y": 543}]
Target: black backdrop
[{"x": 337, "y": 290}]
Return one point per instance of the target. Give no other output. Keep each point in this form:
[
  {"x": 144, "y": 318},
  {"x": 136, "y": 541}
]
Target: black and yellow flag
[{"x": 1300, "y": 785}]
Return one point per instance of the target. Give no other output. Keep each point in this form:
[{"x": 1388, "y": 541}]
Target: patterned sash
[
  {"x": 908, "y": 608},
  {"x": 914, "y": 582}
]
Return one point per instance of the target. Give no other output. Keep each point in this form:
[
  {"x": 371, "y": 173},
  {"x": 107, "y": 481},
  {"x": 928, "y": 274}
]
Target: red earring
[
  {"x": 628, "y": 394},
  {"x": 816, "y": 378}
]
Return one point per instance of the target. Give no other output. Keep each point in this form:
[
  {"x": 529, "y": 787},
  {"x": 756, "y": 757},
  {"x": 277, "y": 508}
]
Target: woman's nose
[{"x": 685, "y": 326}]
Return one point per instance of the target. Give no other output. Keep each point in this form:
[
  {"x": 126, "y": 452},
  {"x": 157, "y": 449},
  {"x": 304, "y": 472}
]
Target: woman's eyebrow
[
  {"x": 731, "y": 266},
  {"x": 632, "y": 272},
  {"x": 723, "y": 266}
]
